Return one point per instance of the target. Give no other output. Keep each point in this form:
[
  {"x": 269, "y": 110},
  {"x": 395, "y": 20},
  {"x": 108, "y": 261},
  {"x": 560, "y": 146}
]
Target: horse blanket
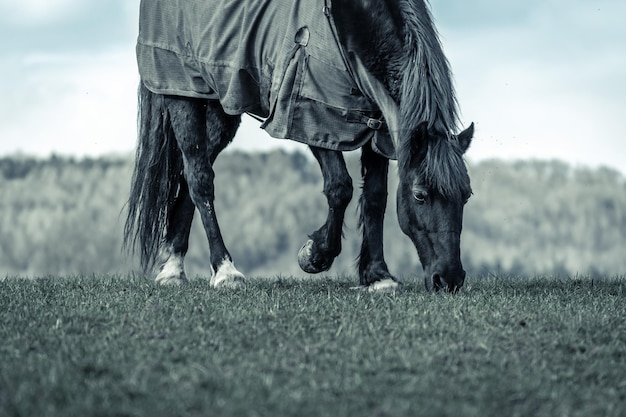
[{"x": 277, "y": 59}]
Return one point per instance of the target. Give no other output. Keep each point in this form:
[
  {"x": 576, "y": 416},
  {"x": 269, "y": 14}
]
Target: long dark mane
[{"x": 427, "y": 89}]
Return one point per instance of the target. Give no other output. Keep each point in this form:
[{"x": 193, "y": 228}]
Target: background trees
[{"x": 65, "y": 216}]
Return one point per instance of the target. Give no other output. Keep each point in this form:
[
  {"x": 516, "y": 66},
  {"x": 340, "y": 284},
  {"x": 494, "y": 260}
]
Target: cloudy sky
[{"x": 542, "y": 79}]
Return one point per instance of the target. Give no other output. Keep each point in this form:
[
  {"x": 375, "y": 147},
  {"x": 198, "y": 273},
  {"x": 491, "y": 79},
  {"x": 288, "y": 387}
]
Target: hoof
[
  {"x": 171, "y": 280},
  {"x": 172, "y": 272},
  {"x": 227, "y": 276},
  {"x": 230, "y": 282},
  {"x": 306, "y": 262},
  {"x": 385, "y": 286}
]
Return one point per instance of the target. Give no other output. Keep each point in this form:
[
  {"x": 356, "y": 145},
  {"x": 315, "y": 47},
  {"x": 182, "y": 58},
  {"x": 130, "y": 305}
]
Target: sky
[{"x": 541, "y": 79}]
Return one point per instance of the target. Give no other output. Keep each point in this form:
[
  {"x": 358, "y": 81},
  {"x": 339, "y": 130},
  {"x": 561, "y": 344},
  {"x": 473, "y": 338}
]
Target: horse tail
[{"x": 155, "y": 181}]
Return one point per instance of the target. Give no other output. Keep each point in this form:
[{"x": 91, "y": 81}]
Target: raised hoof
[
  {"x": 227, "y": 276},
  {"x": 306, "y": 262},
  {"x": 168, "y": 279}
]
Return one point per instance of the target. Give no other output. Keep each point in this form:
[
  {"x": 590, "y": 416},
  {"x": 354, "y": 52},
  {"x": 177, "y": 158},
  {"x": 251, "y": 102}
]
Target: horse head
[{"x": 433, "y": 189}]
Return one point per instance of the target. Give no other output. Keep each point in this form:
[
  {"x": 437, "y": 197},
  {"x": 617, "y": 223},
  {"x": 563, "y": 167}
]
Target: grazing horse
[{"x": 337, "y": 75}]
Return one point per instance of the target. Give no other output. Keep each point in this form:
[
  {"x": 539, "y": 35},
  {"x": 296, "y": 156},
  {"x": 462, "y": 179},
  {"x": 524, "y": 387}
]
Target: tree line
[{"x": 62, "y": 216}]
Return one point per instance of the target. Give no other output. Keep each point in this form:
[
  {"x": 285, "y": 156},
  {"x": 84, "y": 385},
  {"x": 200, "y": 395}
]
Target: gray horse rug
[{"x": 276, "y": 59}]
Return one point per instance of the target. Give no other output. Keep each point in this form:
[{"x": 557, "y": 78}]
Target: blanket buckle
[{"x": 375, "y": 124}]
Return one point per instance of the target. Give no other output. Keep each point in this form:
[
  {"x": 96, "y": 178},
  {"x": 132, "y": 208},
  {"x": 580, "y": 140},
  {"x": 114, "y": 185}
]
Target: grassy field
[{"x": 115, "y": 346}]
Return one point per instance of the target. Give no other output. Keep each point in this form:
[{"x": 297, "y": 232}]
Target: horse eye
[{"x": 420, "y": 196}]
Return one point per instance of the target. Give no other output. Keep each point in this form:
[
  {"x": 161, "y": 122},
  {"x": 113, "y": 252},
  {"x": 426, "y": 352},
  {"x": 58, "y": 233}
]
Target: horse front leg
[
  {"x": 373, "y": 271},
  {"x": 324, "y": 245},
  {"x": 202, "y": 131}
]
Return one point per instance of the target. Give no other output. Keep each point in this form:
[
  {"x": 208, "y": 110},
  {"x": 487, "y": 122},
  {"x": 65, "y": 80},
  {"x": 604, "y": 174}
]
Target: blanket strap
[{"x": 371, "y": 122}]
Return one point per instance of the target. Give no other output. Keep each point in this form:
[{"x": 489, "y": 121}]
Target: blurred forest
[{"x": 63, "y": 216}]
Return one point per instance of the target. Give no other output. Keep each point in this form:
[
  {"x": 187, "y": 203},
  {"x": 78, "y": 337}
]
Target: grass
[{"x": 113, "y": 346}]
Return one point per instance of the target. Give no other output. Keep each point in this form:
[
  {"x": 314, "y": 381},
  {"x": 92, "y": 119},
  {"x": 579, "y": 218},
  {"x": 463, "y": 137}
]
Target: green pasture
[{"x": 118, "y": 346}]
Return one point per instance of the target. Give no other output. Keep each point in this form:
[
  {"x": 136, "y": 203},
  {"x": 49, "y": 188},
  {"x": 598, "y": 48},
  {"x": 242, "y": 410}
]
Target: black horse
[{"x": 342, "y": 75}]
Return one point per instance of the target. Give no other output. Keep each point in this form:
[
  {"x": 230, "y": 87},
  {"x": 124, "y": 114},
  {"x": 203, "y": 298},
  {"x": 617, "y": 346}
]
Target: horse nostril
[{"x": 435, "y": 281}]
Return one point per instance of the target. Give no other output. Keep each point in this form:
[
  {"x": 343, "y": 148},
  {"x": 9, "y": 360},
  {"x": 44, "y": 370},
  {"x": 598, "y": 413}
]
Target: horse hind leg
[
  {"x": 324, "y": 245},
  {"x": 174, "y": 248},
  {"x": 156, "y": 203},
  {"x": 202, "y": 131}
]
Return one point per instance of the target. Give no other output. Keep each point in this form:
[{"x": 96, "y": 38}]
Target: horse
[{"x": 337, "y": 75}]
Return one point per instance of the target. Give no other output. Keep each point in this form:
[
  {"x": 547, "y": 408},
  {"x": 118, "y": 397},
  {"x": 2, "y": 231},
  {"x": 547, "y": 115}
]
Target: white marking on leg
[
  {"x": 172, "y": 271},
  {"x": 382, "y": 286},
  {"x": 227, "y": 276},
  {"x": 385, "y": 285}
]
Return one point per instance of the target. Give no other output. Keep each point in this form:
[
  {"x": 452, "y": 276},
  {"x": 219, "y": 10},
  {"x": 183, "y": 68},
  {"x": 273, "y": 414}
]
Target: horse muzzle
[{"x": 451, "y": 282}]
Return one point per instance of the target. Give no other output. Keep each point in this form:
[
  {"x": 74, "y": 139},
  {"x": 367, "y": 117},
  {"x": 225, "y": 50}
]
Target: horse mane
[
  {"x": 428, "y": 96},
  {"x": 427, "y": 90}
]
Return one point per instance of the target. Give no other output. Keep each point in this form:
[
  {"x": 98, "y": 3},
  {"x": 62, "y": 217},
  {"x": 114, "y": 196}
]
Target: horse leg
[
  {"x": 373, "y": 271},
  {"x": 173, "y": 250},
  {"x": 324, "y": 245},
  {"x": 202, "y": 131}
]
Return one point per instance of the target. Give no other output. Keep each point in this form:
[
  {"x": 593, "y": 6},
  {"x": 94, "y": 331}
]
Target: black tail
[{"x": 155, "y": 181}]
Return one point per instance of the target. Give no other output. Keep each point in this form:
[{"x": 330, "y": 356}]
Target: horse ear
[{"x": 465, "y": 137}]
